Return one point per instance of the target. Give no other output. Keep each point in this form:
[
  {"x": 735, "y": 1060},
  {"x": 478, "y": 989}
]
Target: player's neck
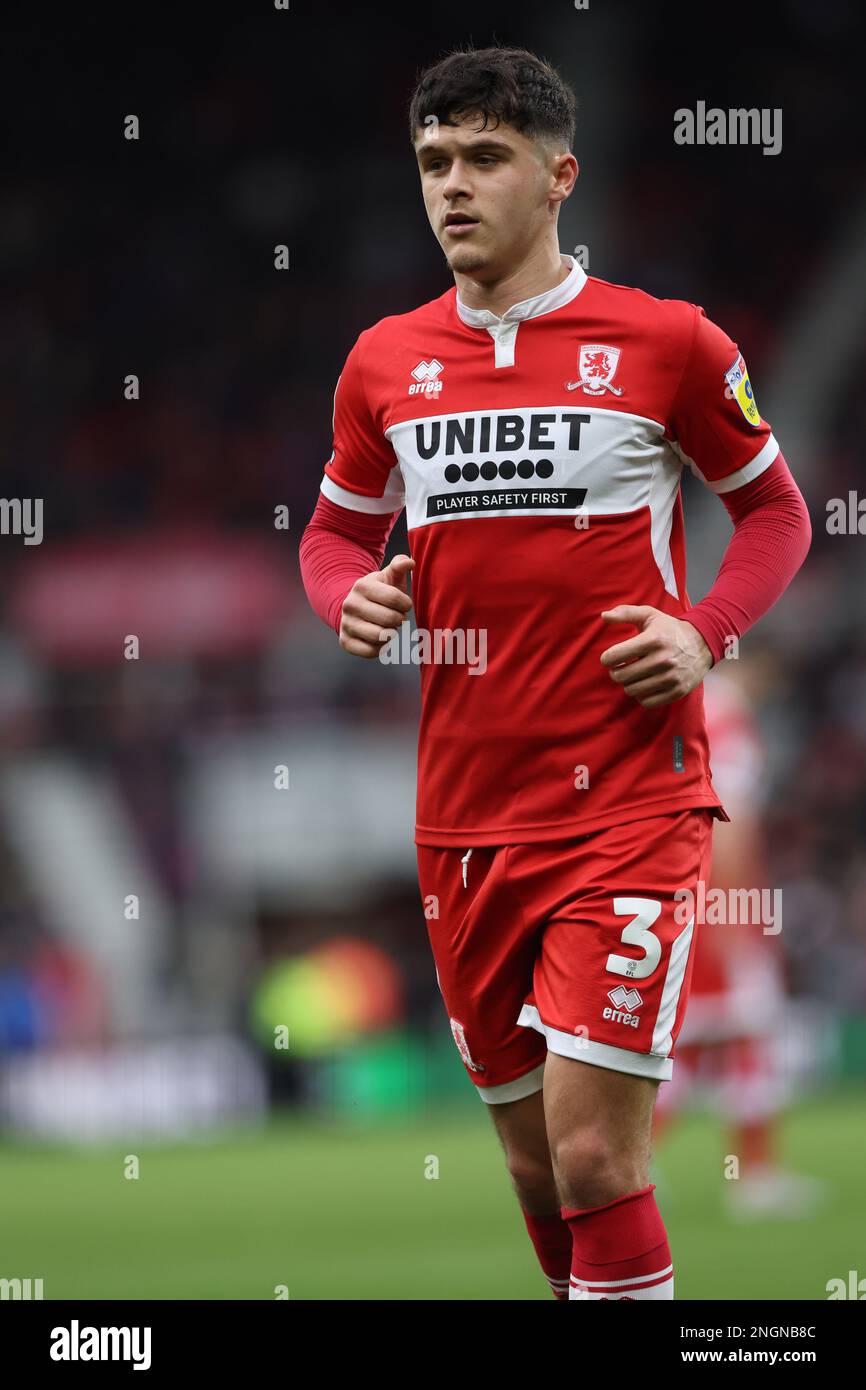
[{"x": 540, "y": 272}]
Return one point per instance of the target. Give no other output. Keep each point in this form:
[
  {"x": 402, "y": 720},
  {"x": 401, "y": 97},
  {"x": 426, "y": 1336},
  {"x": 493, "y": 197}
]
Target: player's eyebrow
[{"x": 430, "y": 146}]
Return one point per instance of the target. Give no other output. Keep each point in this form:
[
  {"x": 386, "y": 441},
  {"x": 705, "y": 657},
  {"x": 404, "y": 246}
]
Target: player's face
[{"x": 489, "y": 194}]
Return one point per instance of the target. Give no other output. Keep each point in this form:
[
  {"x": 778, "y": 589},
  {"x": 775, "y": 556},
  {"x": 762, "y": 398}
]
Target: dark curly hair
[{"x": 508, "y": 85}]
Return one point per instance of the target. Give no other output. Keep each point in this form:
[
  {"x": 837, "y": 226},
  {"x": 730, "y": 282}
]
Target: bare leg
[
  {"x": 599, "y": 1125},
  {"x": 520, "y": 1125}
]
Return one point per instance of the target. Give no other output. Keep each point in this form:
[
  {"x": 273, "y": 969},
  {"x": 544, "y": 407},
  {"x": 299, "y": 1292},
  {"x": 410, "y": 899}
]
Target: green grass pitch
[{"x": 336, "y": 1211}]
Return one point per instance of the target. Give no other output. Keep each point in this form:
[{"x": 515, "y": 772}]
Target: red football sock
[
  {"x": 753, "y": 1141},
  {"x": 620, "y": 1250},
  {"x": 552, "y": 1240}
]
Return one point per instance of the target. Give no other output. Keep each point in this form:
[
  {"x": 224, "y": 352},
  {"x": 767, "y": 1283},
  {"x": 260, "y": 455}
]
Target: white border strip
[
  {"x": 674, "y": 976},
  {"x": 518, "y": 1089},
  {"x": 649, "y": 1293},
  {"x": 597, "y": 1054},
  {"x": 593, "y": 1284},
  {"x": 392, "y": 501},
  {"x": 747, "y": 474},
  {"x": 561, "y": 294}
]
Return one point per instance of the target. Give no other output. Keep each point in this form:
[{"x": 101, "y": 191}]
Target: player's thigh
[{"x": 603, "y": 1113}]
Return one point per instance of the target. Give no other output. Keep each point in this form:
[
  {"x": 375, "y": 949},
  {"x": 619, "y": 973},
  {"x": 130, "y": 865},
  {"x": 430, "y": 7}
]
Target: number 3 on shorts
[{"x": 643, "y": 912}]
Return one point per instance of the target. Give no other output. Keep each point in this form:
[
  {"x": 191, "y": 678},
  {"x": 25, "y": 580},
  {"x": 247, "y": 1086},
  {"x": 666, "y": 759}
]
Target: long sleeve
[
  {"x": 772, "y": 534},
  {"x": 337, "y": 548}
]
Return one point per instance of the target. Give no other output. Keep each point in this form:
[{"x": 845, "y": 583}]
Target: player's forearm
[
  {"x": 337, "y": 549},
  {"x": 772, "y": 534}
]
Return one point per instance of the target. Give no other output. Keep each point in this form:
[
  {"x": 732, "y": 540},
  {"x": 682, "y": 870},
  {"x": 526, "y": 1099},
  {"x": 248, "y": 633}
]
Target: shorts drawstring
[{"x": 465, "y": 862}]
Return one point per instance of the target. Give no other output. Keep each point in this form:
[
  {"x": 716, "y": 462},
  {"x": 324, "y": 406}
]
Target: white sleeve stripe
[
  {"x": 749, "y": 471},
  {"x": 393, "y": 499}
]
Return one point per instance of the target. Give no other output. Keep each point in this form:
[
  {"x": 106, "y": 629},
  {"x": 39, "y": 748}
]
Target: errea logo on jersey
[
  {"x": 426, "y": 381},
  {"x": 625, "y": 1002}
]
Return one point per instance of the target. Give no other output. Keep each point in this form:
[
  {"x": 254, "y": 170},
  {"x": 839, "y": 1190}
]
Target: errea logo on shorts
[
  {"x": 426, "y": 381},
  {"x": 625, "y": 1002}
]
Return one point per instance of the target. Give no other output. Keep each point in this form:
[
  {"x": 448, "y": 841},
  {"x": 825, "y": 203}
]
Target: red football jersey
[{"x": 539, "y": 457}]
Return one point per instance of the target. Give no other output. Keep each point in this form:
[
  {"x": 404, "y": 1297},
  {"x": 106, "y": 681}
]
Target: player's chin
[{"x": 466, "y": 260}]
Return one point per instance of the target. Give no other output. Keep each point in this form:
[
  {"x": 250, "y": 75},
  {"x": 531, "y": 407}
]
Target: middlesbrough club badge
[
  {"x": 463, "y": 1046},
  {"x": 597, "y": 365}
]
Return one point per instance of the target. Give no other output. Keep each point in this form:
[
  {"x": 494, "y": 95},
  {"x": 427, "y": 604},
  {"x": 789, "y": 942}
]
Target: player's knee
[
  {"x": 592, "y": 1168},
  {"x": 532, "y": 1179}
]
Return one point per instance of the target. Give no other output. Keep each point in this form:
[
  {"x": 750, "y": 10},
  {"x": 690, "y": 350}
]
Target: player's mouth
[{"x": 459, "y": 223}]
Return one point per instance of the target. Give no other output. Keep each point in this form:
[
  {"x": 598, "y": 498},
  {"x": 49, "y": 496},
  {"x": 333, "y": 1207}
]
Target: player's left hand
[{"x": 666, "y": 660}]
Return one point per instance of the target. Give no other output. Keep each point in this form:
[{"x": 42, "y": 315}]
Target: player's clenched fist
[
  {"x": 374, "y": 606},
  {"x": 666, "y": 660}
]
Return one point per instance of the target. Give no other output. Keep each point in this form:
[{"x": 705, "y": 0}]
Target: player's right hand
[{"x": 375, "y": 606}]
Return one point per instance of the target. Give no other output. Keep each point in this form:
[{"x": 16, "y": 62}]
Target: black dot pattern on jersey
[{"x": 526, "y": 468}]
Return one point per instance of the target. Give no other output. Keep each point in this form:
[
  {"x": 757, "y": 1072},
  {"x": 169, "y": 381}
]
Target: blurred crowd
[{"x": 155, "y": 258}]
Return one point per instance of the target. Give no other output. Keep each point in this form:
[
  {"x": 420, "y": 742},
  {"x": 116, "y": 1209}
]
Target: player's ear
[{"x": 567, "y": 172}]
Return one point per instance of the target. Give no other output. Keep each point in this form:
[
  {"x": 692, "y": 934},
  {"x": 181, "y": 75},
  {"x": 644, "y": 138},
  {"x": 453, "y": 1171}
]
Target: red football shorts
[{"x": 578, "y": 947}]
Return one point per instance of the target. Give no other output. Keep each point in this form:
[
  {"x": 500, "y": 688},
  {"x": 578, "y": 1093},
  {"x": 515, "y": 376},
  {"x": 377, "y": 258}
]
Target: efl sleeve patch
[
  {"x": 714, "y": 418},
  {"x": 739, "y": 388}
]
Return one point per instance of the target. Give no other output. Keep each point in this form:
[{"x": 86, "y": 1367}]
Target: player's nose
[{"x": 457, "y": 182}]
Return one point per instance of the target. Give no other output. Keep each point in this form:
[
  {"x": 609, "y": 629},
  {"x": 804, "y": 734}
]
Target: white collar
[{"x": 561, "y": 294}]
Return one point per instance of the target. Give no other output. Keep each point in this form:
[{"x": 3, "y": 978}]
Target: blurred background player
[{"x": 732, "y": 1039}]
